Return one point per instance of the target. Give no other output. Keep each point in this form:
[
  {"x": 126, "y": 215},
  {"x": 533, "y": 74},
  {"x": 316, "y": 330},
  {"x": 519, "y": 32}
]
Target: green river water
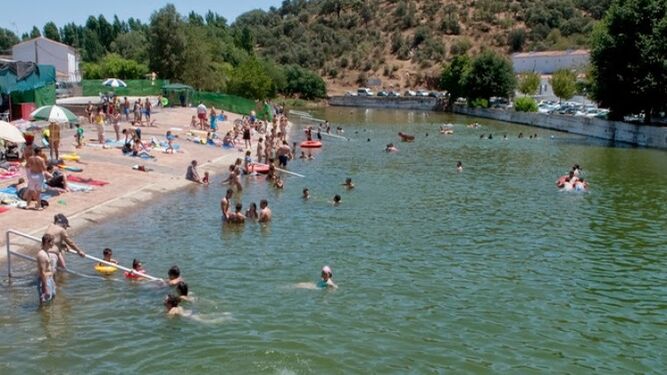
[{"x": 491, "y": 270}]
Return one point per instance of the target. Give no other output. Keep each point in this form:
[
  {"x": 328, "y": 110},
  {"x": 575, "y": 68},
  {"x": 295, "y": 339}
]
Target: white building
[
  {"x": 548, "y": 62},
  {"x": 41, "y": 50}
]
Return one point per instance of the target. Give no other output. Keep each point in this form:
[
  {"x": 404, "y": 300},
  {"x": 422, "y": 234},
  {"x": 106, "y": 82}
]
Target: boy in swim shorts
[{"x": 46, "y": 268}]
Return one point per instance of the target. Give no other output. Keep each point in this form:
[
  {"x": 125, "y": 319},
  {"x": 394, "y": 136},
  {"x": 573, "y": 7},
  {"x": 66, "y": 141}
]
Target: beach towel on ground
[
  {"x": 87, "y": 181},
  {"x": 3, "y": 209},
  {"x": 78, "y": 188}
]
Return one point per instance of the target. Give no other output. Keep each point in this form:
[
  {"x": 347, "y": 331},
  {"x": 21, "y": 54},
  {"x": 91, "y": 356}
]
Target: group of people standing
[{"x": 112, "y": 110}]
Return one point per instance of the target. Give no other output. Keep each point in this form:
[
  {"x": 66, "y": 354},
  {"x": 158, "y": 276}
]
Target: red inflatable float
[
  {"x": 311, "y": 144},
  {"x": 258, "y": 168}
]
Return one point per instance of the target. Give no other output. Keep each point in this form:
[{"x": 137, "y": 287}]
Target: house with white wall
[{"x": 45, "y": 51}]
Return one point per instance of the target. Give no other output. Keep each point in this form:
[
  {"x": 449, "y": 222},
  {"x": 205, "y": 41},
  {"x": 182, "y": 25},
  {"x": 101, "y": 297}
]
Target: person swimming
[
  {"x": 107, "y": 253},
  {"x": 137, "y": 268},
  {"x": 459, "y": 166},
  {"x": 348, "y": 183},
  {"x": 174, "y": 275},
  {"x": 336, "y": 200},
  {"x": 171, "y": 303},
  {"x": 326, "y": 281},
  {"x": 390, "y": 148},
  {"x": 306, "y": 194},
  {"x": 182, "y": 289}
]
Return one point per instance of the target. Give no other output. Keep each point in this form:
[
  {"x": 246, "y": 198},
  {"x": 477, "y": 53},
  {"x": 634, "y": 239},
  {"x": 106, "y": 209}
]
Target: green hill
[{"x": 404, "y": 42}]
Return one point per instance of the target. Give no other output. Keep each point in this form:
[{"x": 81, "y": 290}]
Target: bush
[
  {"x": 112, "y": 65},
  {"x": 525, "y": 104},
  {"x": 479, "y": 103}
]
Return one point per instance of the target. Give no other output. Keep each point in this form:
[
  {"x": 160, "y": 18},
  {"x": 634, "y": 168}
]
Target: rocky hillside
[{"x": 402, "y": 43}]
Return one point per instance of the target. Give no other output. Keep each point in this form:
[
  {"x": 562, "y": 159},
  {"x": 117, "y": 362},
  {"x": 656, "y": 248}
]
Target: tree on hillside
[
  {"x": 304, "y": 83},
  {"x": 51, "y": 31},
  {"x": 453, "y": 78},
  {"x": 629, "y": 58},
  {"x": 167, "y": 42},
  {"x": 34, "y": 33},
  {"x": 564, "y": 83},
  {"x": 250, "y": 80},
  {"x": 529, "y": 83},
  {"x": 490, "y": 75},
  {"x": 7, "y": 39}
]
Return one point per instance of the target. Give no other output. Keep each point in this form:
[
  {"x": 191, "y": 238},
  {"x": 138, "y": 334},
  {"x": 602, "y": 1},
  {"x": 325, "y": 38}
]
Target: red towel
[{"x": 3, "y": 209}]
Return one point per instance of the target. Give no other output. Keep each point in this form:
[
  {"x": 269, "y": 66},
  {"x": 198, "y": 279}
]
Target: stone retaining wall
[
  {"x": 412, "y": 102},
  {"x": 615, "y": 131}
]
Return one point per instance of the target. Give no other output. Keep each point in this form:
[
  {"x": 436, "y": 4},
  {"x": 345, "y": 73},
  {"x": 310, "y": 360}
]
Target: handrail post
[{"x": 9, "y": 257}]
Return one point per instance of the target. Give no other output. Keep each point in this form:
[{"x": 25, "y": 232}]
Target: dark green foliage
[
  {"x": 34, "y": 33},
  {"x": 304, "y": 83},
  {"x": 516, "y": 39},
  {"x": 454, "y": 77},
  {"x": 250, "y": 80},
  {"x": 167, "y": 43},
  {"x": 525, "y": 104},
  {"x": 7, "y": 40},
  {"x": 113, "y": 65},
  {"x": 51, "y": 31},
  {"x": 629, "y": 58},
  {"x": 490, "y": 75}
]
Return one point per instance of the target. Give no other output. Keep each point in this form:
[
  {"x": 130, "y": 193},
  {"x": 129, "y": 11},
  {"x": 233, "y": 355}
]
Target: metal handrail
[{"x": 33, "y": 238}]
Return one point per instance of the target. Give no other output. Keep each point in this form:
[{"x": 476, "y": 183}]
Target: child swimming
[
  {"x": 171, "y": 305},
  {"x": 137, "y": 267},
  {"x": 107, "y": 253},
  {"x": 326, "y": 281},
  {"x": 182, "y": 289},
  {"x": 174, "y": 275}
]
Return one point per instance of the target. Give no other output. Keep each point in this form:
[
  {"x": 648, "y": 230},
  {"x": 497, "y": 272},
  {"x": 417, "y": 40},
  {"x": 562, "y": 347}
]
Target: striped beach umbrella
[
  {"x": 10, "y": 133},
  {"x": 114, "y": 82},
  {"x": 54, "y": 113}
]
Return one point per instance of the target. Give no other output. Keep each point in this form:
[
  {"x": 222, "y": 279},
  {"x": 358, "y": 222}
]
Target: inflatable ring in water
[
  {"x": 104, "y": 269},
  {"x": 311, "y": 144},
  {"x": 258, "y": 168}
]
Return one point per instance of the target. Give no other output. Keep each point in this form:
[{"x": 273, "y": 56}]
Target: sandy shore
[{"x": 128, "y": 188}]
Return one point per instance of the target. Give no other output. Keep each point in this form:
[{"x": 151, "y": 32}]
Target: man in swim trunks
[
  {"x": 46, "y": 268},
  {"x": 201, "y": 114},
  {"x": 225, "y": 204},
  {"x": 61, "y": 240},
  {"x": 35, "y": 167},
  {"x": 284, "y": 153},
  {"x": 264, "y": 212}
]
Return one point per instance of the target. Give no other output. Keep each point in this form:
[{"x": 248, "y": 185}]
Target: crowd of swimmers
[{"x": 573, "y": 180}]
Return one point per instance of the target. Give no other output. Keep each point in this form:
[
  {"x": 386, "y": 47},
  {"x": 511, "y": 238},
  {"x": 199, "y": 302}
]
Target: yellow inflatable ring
[
  {"x": 105, "y": 270},
  {"x": 70, "y": 157}
]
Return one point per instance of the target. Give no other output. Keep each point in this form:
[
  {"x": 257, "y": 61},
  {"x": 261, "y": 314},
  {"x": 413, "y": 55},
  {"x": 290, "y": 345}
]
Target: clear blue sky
[{"x": 17, "y": 15}]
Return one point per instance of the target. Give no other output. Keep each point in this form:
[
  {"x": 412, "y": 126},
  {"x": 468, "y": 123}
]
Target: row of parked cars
[
  {"x": 572, "y": 109},
  {"x": 363, "y": 91}
]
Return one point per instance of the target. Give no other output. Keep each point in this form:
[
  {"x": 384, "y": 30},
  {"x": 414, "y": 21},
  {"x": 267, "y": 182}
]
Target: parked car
[
  {"x": 394, "y": 93},
  {"x": 64, "y": 89},
  {"x": 410, "y": 93},
  {"x": 363, "y": 91},
  {"x": 436, "y": 94},
  {"x": 350, "y": 93},
  {"x": 383, "y": 93},
  {"x": 422, "y": 93}
]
